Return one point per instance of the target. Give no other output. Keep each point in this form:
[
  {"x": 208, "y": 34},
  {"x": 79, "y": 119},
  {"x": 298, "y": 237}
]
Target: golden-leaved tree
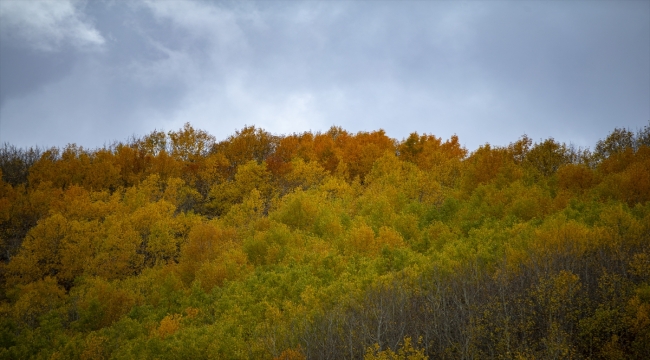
[{"x": 325, "y": 245}]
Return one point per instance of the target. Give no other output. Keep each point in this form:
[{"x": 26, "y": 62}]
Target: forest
[{"x": 326, "y": 245}]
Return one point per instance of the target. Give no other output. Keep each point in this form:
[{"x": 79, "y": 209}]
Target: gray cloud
[
  {"x": 487, "y": 71},
  {"x": 47, "y": 25}
]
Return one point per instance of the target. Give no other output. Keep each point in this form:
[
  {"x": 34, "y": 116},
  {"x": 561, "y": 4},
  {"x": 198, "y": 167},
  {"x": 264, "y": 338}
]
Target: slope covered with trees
[{"x": 325, "y": 246}]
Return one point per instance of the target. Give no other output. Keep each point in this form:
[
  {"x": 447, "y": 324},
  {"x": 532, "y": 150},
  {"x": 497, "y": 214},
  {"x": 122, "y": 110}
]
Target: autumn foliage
[{"x": 325, "y": 246}]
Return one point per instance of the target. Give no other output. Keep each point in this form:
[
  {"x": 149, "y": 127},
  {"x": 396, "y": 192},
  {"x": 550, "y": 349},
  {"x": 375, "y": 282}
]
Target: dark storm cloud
[
  {"x": 42, "y": 68},
  {"x": 31, "y": 37},
  {"x": 488, "y": 71}
]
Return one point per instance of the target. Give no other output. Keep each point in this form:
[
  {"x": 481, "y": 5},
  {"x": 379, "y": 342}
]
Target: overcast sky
[{"x": 92, "y": 72}]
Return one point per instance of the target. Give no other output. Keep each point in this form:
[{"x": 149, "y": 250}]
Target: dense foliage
[{"x": 325, "y": 246}]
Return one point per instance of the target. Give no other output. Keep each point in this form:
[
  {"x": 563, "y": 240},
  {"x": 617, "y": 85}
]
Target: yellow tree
[
  {"x": 249, "y": 176},
  {"x": 442, "y": 161},
  {"x": 188, "y": 144},
  {"x": 488, "y": 164},
  {"x": 206, "y": 241},
  {"x": 248, "y": 144},
  {"x": 39, "y": 255},
  {"x": 547, "y": 156}
]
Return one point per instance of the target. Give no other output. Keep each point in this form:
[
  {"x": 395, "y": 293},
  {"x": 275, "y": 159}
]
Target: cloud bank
[{"x": 487, "y": 71}]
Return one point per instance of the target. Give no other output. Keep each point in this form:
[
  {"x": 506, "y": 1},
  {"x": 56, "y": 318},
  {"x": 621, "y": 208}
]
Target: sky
[{"x": 95, "y": 72}]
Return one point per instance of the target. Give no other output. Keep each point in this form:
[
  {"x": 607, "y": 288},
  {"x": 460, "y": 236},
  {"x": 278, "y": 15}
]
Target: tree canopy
[{"x": 325, "y": 245}]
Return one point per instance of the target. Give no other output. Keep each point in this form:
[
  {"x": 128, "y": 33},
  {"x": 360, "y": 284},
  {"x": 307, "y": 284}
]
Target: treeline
[{"x": 326, "y": 246}]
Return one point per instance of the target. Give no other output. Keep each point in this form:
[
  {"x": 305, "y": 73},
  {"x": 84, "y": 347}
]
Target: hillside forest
[{"x": 326, "y": 245}]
